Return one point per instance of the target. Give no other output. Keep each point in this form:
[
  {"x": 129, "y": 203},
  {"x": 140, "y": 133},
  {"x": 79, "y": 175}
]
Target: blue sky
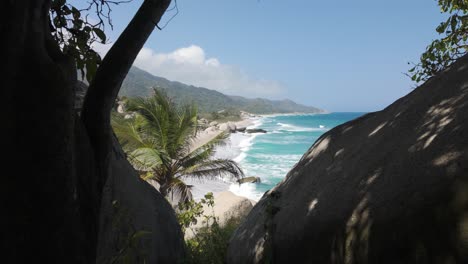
[{"x": 337, "y": 55}]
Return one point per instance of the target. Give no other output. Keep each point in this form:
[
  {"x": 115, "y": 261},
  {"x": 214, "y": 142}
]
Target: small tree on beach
[{"x": 159, "y": 140}]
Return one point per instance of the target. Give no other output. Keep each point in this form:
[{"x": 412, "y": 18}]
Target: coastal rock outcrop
[
  {"x": 241, "y": 129},
  {"x": 255, "y": 130},
  {"x": 249, "y": 180},
  {"x": 388, "y": 187}
]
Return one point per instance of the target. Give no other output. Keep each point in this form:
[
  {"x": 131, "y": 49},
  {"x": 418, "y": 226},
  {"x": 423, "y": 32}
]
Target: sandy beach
[
  {"x": 208, "y": 134},
  {"x": 200, "y": 188}
]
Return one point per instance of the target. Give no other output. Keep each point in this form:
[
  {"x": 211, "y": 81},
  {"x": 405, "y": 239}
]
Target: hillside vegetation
[{"x": 140, "y": 83}]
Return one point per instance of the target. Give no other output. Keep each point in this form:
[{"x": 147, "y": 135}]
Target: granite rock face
[
  {"x": 131, "y": 205},
  {"x": 388, "y": 187}
]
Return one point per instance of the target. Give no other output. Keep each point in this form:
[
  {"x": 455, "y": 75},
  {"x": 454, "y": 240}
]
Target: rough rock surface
[
  {"x": 80, "y": 92},
  {"x": 131, "y": 205},
  {"x": 232, "y": 126},
  {"x": 224, "y": 127},
  {"x": 389, "y": 187},
  {"x": 256, "y": 130},
  {"x": 249, "y": 180}
]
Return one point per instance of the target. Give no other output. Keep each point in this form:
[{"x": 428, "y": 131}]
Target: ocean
[{"x": 271, "y": 156}]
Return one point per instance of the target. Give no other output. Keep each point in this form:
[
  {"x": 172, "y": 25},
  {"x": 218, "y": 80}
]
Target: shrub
[{"x": 210, "y": 243}]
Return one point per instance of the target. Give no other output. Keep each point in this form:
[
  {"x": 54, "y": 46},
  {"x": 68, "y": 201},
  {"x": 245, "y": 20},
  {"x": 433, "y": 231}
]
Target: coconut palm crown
[{"x": 159, "y": 140}]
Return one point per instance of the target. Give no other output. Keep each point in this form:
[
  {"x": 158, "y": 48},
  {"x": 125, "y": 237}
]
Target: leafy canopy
[
  {"x": 76, "y": 29},
  {"x": 159, "y": 143},
  {"x": 452, "y": 45}
]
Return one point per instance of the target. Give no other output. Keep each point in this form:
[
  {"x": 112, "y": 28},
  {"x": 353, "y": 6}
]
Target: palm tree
[{"x": 158, "y": 143}]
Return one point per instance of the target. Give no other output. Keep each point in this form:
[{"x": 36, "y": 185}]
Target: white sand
[
  {"x": 204, "y": 137},
  {"x": 200, "y": 188},
  {"x": 226, "y": 206}
]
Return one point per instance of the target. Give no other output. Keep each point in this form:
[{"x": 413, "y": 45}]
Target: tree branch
[{"x": 104, "y": 89}]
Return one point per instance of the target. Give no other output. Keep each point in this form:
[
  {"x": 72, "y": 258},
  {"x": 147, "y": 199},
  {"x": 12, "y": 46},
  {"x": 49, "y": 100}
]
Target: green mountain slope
[{"x": 140, "y": 83}]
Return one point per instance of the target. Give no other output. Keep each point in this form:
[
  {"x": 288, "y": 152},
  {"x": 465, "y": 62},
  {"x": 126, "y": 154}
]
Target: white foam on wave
[
  {"x": 239, "y": 158},
  {"x": 256, "y": 123},
  {"x": 244, "y": 145},
  {"x": 248, "y": 190},
  {"x": 293, "y": 128},
  {"x": 236, "y": 149}
]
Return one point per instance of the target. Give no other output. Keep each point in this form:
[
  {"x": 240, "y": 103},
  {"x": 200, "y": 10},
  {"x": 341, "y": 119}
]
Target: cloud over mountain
[{"x": 191, "y": 65}]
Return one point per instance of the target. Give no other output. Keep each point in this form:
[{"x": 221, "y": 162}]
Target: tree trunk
[
  {"x": 41, "y": 217},
  {"x": 57, "y": 164}
]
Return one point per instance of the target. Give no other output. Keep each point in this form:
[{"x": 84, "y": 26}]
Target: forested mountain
[{"x": 140, "y": 83}]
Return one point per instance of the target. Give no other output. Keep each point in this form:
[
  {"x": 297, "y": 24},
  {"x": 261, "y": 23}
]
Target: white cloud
[{"x": 191, "y": 66}]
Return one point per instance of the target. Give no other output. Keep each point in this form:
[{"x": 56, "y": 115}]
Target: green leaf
[
  {"x": 76, "y": 13},
  {"x": 100, "y": 34},
  {"x": 453, "y": 23}
]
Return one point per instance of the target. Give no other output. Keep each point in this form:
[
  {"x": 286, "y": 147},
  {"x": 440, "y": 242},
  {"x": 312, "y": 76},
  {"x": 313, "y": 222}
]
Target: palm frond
[
  {"x": 183, "y": 129},
  {"x": 212, "y": 168},
  {"x": 146, "y": 158},
  {"x": 127, "y": 131},
  {"x": 178, "y": 187},
  {"x": 218, "y": 140},
  {"x": 203, "y": 153},
  {"x": 156, "y": 118}
]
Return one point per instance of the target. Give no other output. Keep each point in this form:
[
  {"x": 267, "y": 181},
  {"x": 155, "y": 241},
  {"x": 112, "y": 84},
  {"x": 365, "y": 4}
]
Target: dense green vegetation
[
  {"x": 453, "y": 44},
  {"x": 158, "y": 143},
  {"x": 210, "y": 243},
  {"x": 140, "y": 83}
]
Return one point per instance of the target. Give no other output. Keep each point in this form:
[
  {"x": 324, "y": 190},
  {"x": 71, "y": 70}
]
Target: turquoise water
[{"x": 271, "y": 156}]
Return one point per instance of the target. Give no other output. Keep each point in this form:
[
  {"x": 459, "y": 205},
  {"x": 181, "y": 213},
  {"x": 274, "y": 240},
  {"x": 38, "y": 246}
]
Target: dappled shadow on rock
[{"x": 388, "y": 187}]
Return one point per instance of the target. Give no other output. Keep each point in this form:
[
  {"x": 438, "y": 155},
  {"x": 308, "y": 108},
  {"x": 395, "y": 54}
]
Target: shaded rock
[
  {"x": 214, "y": 123},
  {"x": 389, "y": 187},
  {"x": 228, "y": 127},
  {"x": 130, "y": 204},
  {"x": 241, "y": 129},
  {"x": 232, "y": 126},
  {"x": 255, "y": 130},
  {"x": 80, "y": 93},
  {"x": 249, "y": 179}
]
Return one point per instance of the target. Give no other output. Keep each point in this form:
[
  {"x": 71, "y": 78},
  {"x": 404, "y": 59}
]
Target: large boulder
[
  {"x": 251, "y": 179},
  {"x": 255, "y": 130},
  {"x": 232, "y": 126},
  {"x": 224, "y": 127},
  {"x": 389, "y": 187},
  {"x": 136, "y": 220}
]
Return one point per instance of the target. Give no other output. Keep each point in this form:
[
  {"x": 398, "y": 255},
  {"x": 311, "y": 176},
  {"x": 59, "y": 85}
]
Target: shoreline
[
  {"x": 233, "y": 150},
  {"x": 237, "y": 145}
]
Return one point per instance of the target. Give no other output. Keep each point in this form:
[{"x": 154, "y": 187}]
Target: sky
[{"x": 337, "y": 55}]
